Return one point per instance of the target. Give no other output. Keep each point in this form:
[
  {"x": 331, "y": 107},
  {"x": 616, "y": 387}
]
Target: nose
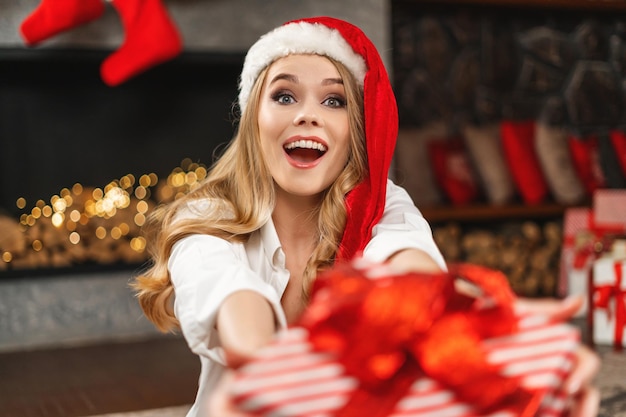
[{"x": 307, "y": 115}]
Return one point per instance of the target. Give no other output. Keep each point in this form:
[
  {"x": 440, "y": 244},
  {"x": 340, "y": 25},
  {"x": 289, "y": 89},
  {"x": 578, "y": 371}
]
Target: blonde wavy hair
[{"x": 239, "y": 183}]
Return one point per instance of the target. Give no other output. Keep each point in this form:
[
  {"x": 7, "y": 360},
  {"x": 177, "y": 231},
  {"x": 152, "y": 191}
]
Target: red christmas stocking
[
  {"x": 618, "y": 139},
  {"x": 55, "y": 16},
  {"x": 151, "y": 38}
]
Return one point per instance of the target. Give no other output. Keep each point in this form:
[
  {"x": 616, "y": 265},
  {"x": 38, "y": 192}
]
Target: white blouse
[{"x": 206, "y": 269}]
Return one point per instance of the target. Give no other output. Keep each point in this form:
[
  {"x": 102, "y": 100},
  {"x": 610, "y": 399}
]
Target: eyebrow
[
  {"x": 294, "y": 79},
  {"x": 329, "y": 81},
  {"x": 287, "y": 77}
]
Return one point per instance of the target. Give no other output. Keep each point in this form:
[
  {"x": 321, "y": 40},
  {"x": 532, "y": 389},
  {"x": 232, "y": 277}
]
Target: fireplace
[
  {"x": 67, "y": 140},
  {"x": 62, "y": 125}
]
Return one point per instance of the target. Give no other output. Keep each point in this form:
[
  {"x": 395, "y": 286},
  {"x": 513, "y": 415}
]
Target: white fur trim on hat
[{"x": 297, "y": 38}]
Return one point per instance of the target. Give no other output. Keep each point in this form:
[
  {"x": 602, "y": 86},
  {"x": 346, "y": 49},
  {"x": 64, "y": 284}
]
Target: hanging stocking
[
  {"x": 55, "y": 16},
  {"x": 151, "y": 38}
]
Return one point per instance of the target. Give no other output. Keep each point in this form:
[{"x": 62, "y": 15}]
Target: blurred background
[{"x": 512, "y": 120}]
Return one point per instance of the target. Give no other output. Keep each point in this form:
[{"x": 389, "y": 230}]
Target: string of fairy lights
[{"x": 96, "y": 224}]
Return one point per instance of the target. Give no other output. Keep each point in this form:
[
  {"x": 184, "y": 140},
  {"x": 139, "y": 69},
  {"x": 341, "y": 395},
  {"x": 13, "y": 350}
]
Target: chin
[
  {"x": 300, "y": 192},
  {"x": 303, "y": 190}
]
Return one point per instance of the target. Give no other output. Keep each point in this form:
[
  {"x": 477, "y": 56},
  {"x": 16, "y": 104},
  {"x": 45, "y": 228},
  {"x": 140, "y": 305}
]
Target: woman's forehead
[{"x": 304, "y": 63}]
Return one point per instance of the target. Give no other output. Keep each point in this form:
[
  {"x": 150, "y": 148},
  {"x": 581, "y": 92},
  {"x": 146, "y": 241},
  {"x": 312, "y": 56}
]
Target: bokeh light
[{"x": 97, "y": 223}]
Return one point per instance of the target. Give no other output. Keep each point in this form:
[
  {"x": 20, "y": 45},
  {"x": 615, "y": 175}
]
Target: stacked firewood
[{"x": 527, "y": 252}]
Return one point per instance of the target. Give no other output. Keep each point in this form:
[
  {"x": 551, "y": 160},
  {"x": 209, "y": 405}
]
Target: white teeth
[{"x": 306, "y": 144}]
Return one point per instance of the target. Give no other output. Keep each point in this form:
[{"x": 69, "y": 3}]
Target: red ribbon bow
[
  {"x": 389, "y": 330},
  {"x": 602, "y": 297}
]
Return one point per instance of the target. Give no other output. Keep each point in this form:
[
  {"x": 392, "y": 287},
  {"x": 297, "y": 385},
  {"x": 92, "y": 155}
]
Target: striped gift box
[{"x": 289, "y": 379}]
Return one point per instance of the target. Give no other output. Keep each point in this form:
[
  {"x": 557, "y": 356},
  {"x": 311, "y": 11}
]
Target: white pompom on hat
[{"x": 347, "y": 44}]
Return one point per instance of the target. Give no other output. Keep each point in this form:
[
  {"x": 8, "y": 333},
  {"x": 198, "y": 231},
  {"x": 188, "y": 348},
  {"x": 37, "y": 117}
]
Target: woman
[{"x": 302, "y": 184}]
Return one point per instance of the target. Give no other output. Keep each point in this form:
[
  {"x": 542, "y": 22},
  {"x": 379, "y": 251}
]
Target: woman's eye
[
  {"x": 283, "y": 98},
  {"x": 335, "y": 102}
]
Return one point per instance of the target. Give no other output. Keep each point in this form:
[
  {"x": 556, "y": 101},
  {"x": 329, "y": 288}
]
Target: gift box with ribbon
[
  {"x": 376, "y": 344},
  {"x": 588, "y": 234},
  {"x": 608, "y": 309}
]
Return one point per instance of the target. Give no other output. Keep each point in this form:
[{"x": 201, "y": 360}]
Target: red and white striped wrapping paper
[{"x": 288, "y": 379}]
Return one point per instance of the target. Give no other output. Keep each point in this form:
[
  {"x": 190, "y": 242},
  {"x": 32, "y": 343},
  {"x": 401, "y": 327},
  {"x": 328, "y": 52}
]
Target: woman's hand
[
  {"x": 579, "y": 384},
  {"x": 220, "y": 400}
]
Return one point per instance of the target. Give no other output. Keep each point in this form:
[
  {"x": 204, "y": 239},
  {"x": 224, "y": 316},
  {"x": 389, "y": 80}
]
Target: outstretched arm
[
  {"x": 412, "y": 260},
  {"x": 245, "y": 323}
]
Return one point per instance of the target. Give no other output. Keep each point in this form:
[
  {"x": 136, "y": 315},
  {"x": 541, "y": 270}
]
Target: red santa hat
[{"x": 347, "y": 44}]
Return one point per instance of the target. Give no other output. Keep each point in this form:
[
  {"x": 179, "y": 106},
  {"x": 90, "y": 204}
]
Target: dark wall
[{"x": 60, "y": 124}]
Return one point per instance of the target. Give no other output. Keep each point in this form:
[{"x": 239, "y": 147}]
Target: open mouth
[{"x": 305, "y": 151}]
